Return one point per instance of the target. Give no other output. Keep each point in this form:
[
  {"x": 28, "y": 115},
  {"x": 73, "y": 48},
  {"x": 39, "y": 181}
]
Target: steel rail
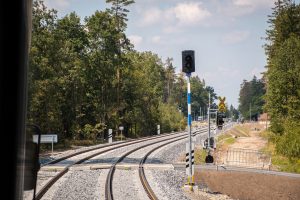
[
  {"x": 46, "y": 187},
  {"x": 142, "y": 175},
  {"x": 109, "y": 179},
  {"x": 103, "y": 146}
]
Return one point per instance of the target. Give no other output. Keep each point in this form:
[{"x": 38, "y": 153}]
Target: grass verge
[{"x": 279, "y": 162}]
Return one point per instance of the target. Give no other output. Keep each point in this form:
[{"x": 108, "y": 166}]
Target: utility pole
[
  {"x": 250, "y": 112},
  {"x": 200, "y": 113},
  {"x": 267, "y": 121},
  {"x": 208, "y": 119}
]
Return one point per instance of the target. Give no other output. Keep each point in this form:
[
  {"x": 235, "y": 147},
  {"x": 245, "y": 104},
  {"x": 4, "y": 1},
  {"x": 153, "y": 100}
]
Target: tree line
[
  {"x": 251, "y": 98},
  {"x": 85, "y": 78},
  {"x": 283, "y": 76}
]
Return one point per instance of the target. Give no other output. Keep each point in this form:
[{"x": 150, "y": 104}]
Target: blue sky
[{"x": 225, "y": 34}]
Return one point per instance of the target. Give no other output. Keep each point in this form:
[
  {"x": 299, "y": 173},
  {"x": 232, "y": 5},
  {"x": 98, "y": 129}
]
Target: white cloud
[
  {"x": 254, "y": 3},
  {"x": 182, "y": 14},
  {"x": 151, "y": 16},
  {"x": 244, "y": 7},
  {"x": 135, "y": 39},
  {"x": 190, "y": 13},
  {"x": 156, "y": 39},
  {"x": 235, "y": 37},
  {"x": 58, "y": 4}
]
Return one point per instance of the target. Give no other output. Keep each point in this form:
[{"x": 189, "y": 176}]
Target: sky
[{"x": 226, "y": 35}]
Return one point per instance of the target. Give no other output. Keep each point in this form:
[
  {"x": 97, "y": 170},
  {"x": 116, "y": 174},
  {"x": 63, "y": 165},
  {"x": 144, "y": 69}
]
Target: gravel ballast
[
  {"x": 167, "y": 183},
  {"x": 79, "y": 185}
]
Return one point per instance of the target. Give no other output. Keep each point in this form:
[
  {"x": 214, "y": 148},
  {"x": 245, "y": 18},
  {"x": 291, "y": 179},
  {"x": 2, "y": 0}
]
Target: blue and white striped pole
[{"x": 190, "y": 175}]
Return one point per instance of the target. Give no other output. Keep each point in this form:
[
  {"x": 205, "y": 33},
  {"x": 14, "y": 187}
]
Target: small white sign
[
  {"x": 45, "y": 138},
  {"x": 121, "y": 128}
]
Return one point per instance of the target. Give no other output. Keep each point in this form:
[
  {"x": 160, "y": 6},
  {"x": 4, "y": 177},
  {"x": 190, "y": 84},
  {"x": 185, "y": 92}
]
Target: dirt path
[
  {"x": 254, "y": 141},
  {"x": 240, "y": 147}
]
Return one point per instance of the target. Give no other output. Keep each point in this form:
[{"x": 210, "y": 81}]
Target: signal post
[
  {"x": 209, "y": 144},
  {"x": 188, "y": 66}
]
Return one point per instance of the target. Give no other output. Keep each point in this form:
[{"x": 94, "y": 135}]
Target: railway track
[
  {"x": 109, "y": 147},
  {"x": 149, "y": 191}
]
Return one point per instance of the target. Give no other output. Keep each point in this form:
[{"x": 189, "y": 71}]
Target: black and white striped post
[
  {"x": 187, "y": 161},
  {"x": 189, "y": 145},
  {"x": 109, "y": 135},
  {"x": 158, "y": 129}
]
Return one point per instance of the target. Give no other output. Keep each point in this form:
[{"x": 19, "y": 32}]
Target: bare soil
[
  {"x": 247, "y": 185},
  {"x": 250, "y": 186},
  {"x": 247, "y": 139},
  {"x": 254, "y": 141}
]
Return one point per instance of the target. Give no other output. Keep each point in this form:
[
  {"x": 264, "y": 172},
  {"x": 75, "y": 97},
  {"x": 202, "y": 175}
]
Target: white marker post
[
  {"x": 158, "y": 129},
  {"x": 121, "y": 128},
  {"x": 109, "y": 135}
]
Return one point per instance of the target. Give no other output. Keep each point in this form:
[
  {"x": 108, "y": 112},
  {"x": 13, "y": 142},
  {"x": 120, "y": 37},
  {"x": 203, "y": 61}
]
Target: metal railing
[{"x": 247, "y": 158}]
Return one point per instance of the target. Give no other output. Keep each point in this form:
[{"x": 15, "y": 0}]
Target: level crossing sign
[{"x": 221, "y": 106}]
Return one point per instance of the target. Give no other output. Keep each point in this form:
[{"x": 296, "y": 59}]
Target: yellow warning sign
[{"x": 221, "y": 106}]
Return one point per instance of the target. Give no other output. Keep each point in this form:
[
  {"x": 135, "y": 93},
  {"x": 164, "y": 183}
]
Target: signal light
[
  {"x": 188, "y": 61},
  {"x": 220, "y": 120}
]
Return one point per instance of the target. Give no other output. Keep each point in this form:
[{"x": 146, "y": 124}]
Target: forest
[{"x": 86, "y": 77}]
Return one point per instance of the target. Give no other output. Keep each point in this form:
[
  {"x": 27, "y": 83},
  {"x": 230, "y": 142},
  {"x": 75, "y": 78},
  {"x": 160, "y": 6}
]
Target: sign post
[
  {"x": 158, "y": 129},
  {"x": 46, "y": 139},
  {"x": 121, "y": 128},
  {"x": 209, "y": 143}
]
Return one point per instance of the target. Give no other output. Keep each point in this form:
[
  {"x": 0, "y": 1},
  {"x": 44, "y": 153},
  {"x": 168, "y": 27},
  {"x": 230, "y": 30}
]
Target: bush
[
  {"x": 170, "y": 118},
  {"x": 91, "y": 132},
  {"x": 289, "y": 143}
]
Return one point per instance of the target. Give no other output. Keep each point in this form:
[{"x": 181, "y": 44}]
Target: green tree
[
  {"x": 170, "y": 78},
  {"x": 251, "y": 96},
  {"x": 75, "y": 83},
  {"x": 283, "y": 76}
]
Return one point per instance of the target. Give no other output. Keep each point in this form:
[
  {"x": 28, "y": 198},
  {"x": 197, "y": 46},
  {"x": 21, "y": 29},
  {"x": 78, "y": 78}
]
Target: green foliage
[
  {"x": 171, "y": 119},
  {"x": 200, "y": 155},
  {"x": 289, "y": 143},
  {"x": 223, "y": 137},
  {"x": 279, "y": 161},
  {"x": 86, "y": 78},
  {"x": 232, "y": 112},
  {"x": 230, "y": 141},
  {"x": 251, "y": 94},
  {"x": 285, "y": 164},
  {"x": 199, "y": 95},
  {"x": 283, "y": 77},
  {"x": 91, "y": 132}
]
